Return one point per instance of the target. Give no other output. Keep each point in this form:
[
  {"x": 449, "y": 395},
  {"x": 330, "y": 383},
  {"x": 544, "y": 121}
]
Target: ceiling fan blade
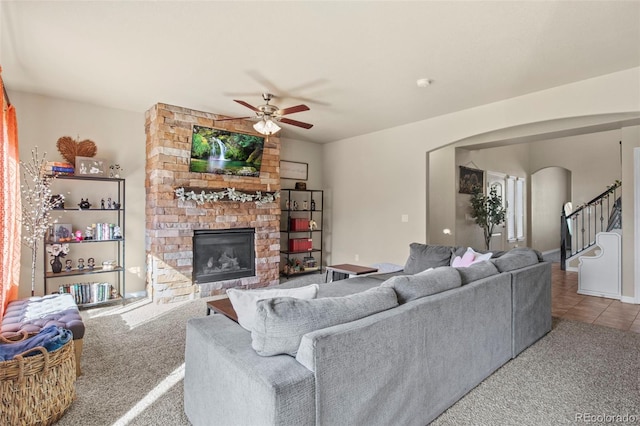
[
  {"x": 229, "y": 119},
  {"x": 296, "y": 123},
  {"x": 251, "y": 107},
  {"x": 291, "y": 110}
]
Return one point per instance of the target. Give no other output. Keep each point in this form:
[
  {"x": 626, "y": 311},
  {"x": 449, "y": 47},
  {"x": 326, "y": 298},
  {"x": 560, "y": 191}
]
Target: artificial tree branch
[{"x": 36, "y": 205}]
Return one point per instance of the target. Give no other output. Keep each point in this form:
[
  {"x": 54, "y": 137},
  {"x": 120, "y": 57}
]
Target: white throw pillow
[{"x": 244, "y": 301}]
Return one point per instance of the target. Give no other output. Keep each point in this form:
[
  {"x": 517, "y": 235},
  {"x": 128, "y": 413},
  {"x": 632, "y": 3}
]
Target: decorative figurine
[
  {"x": 88, "y": 234},
  {"x": 313, "y": 204},
  {"x": 295, "y": 205},
  {"x": 116, "y": 206},
  {"x": 84, "y": 204},
  {"x": 102, "y": 204},
  {"x": 78, "y": 235},
  {"x": 114, "y": 170},
  {"x": 91, "y": 263},
  {"x": 67, "y": 265},
  {"x": 81, "y": 263},
  {"x": 109, "y": 203},
  {"x": 305, "y": 205}
]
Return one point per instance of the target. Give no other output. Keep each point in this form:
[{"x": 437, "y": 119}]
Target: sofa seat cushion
[
  {"x": 411, "y": 287},
  {"x": 244, "y": 301},
  {"x": 282, "y": 321},
  {"x": 477, "y": 271},
  {"x": 423, "y": 256},
  {"x": 516, "y": 258},
  {"x": 35, "y": 313}
]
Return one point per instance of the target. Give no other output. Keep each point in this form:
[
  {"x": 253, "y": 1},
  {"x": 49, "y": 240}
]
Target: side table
[
  {"x": 344, "y": 270},
  {"x": 222, "y": 306}
]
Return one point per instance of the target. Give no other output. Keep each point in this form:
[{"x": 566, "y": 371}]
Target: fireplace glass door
[{"x": 221, "y": 255}]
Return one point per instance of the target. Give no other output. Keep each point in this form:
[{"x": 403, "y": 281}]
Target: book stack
[
  {"x": 300, "y": 244},
  {"x": 59, "y": 168},
  {"x": 87, "y": 292},
  {"x": 104, "y": 231}
]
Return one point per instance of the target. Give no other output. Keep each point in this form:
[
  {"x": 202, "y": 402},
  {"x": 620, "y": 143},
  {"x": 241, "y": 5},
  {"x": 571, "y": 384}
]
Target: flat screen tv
[{"x": 225, "y": 153}]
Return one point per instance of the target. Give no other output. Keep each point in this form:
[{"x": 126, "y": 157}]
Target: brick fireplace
[{"x": 171, "y": 223}]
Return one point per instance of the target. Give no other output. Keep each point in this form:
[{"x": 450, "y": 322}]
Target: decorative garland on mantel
[{"x": 230, "y": 193}]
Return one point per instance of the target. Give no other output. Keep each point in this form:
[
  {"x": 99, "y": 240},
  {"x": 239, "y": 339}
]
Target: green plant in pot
[{"x": 488, "y": 211}]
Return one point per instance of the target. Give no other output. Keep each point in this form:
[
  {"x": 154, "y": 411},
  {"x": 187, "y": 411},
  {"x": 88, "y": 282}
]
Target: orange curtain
[{"x": 10, "y": 208}]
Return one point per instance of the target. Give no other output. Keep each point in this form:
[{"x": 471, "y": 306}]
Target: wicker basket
[{"x": 38, "y": 389}]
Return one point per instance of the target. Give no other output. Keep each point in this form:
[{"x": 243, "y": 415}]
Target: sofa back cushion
[
  {"x": 281, "y": 322},
  {"x": 423, "y": 256},
  {"x": 244, "y": 301},
  {"x": 411, "y": 287},
  {"x": 516, "y": 258},
  {"x": 477, "y": 271}
]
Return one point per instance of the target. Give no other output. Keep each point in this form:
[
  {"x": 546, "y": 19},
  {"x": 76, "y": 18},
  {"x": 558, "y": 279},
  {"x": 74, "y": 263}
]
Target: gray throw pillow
[
  {"x": 281, "y": 322},
  {"x": 411, "y": 287},
  {"x": 477, "y": 271},
  {"x": 423, "y": 256},
  {"x": 516, "y": 258}
]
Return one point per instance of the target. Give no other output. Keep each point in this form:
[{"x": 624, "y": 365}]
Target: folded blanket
[{"x": 51, "y": 338}]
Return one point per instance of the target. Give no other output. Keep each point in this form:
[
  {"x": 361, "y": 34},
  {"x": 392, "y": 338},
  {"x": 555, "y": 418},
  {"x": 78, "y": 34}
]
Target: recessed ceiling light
[{"x": 423, "y": 82}]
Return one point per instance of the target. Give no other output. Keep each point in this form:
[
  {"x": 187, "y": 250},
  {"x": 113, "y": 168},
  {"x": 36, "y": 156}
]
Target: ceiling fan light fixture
[{"x": 266, "y": 127}]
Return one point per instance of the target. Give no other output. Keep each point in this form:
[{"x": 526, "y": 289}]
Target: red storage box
[
  {"x": 300, "y": 244},
  {"x": 299, "y": 224}
]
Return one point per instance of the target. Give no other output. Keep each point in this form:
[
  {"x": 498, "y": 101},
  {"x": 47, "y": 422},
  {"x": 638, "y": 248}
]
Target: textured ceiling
[{"x": 355, "y": 64}]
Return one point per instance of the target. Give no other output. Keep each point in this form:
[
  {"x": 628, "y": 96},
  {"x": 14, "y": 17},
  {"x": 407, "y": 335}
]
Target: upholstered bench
[{"x": 35, "y": 313}]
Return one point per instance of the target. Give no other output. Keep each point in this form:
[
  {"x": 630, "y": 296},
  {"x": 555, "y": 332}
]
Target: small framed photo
[
  {"x": 89, "y": 166},
  {"x": 294, "y": 170},
  {"x": 62, "y": 232}
]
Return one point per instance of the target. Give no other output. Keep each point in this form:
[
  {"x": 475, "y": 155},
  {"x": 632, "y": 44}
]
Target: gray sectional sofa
[{"x": 431, "y": 336}]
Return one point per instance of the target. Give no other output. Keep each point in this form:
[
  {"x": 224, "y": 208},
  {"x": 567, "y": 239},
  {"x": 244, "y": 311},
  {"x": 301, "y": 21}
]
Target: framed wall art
[
  {"x": 62, "y": 232},
  {"x": 294, "y": 170},
  {"x": 471, "y": 179},
  {"x": 89, "y": 166}
]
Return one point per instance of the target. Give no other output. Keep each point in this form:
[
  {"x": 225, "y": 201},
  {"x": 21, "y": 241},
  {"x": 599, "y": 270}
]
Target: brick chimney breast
[{"x": 170, "y": 222}]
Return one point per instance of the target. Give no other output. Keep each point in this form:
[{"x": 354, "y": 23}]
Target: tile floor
[{"x": 567, "y": 303}]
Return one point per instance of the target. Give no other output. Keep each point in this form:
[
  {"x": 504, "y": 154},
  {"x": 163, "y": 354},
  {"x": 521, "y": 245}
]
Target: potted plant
[{"x": 487, "y": 210}]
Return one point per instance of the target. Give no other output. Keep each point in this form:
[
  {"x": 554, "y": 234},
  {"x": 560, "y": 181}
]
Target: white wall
[
  {"x": 119, "y": 136},
  {"x": 373, "y": 179},
  {"x": 303, "y": 152},
  {"x": 593, "y": 159},
  {"x": 550, "y": 190}
]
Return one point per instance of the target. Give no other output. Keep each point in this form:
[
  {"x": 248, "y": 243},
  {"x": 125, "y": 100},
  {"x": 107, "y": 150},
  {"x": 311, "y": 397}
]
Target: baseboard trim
[{"x": 631, "y": 300}]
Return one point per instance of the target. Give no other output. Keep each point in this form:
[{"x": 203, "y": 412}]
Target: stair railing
[{"x": 578, "y": 229}]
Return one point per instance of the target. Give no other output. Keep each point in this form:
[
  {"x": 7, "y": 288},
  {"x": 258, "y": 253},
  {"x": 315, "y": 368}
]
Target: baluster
[{"x": 582, "y": 231}]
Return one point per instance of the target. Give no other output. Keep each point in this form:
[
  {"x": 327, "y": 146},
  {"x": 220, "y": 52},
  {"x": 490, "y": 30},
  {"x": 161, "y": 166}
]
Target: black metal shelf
[
  {"x": 118, "y": 284},
  {"x": 301, "y": 197},
  {"x": 85, "y": 271},
  {"x": 85, "y": 241}
]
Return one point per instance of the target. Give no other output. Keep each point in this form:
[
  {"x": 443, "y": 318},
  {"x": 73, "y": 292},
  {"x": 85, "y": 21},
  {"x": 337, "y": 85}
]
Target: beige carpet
[{"x": 133, "y": 360}]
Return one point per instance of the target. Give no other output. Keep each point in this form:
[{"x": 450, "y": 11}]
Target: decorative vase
[{"x": 56, "y": 265}]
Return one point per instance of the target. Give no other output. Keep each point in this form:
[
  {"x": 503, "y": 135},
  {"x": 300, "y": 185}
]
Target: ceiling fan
[{"x": 269, "y": 114}]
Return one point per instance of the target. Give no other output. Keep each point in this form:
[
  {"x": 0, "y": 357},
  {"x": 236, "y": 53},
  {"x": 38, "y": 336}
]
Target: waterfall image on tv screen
[{"x": 225, "y": 153}]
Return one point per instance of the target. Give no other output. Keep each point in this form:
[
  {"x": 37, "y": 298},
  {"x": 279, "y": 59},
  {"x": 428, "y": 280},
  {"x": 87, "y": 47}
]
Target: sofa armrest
[
  {"x": 226, "y": 382},
  {"x": 531, "y": 304}
]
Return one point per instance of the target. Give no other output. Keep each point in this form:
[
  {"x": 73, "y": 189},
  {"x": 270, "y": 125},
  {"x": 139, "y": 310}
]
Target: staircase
[{"x": 578, "y": 228}]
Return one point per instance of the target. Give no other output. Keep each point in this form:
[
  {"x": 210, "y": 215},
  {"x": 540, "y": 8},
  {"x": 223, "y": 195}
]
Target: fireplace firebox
[{"x": 223, "y": 254}]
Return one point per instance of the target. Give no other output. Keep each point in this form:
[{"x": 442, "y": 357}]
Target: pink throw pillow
[{"x": 464, "y": 261}]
